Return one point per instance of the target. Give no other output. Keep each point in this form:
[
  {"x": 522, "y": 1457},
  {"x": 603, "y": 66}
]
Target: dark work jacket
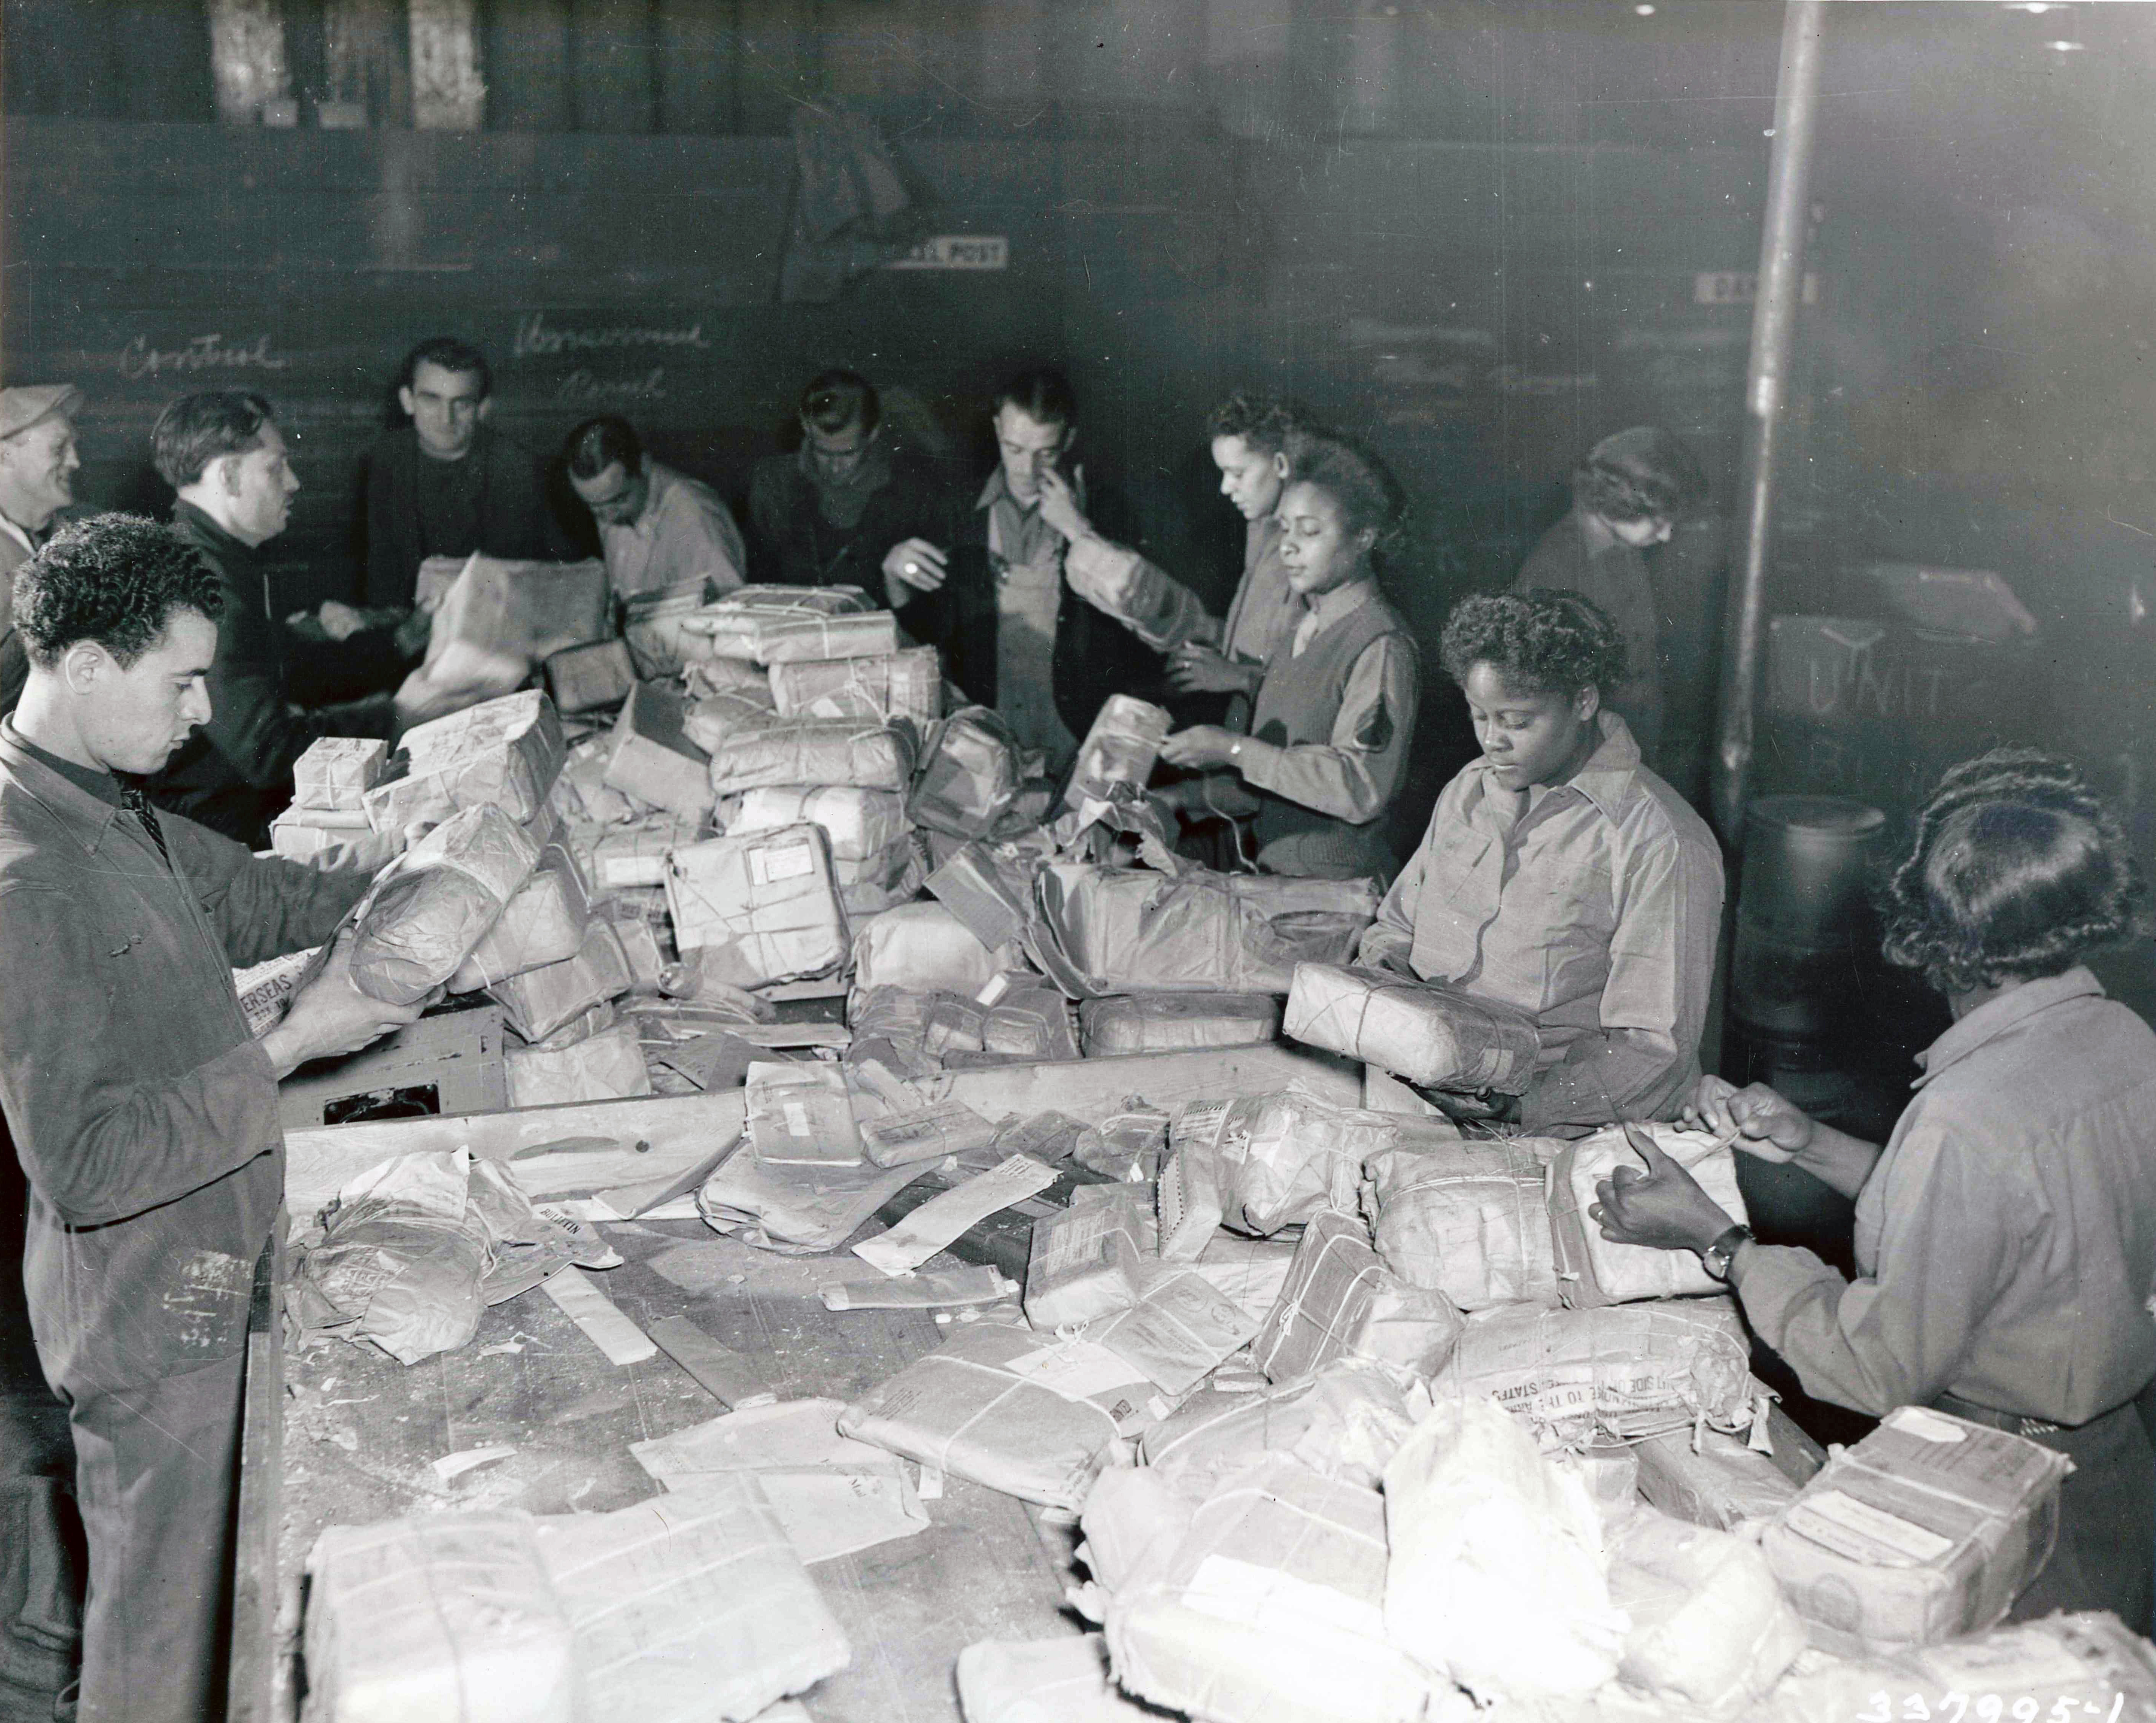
[
  {"x": 236, "y": 771},
  {"x": 144, "y": 1112},
  {"x": 516, "y": 520},
  {"x": 1096, "y": 655},
  {"x": 791, "y": 544}
]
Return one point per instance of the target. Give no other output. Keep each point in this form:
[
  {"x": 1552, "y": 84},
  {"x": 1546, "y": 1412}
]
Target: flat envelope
[
  {"x": 941, "y": 1219},
  {"x": 833, "y": 1495}
]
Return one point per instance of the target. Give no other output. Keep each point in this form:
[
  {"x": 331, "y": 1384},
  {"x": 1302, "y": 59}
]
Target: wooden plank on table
[
  {"x": 251, "y": 1673},
  {"x": 680, "y": 1130}
]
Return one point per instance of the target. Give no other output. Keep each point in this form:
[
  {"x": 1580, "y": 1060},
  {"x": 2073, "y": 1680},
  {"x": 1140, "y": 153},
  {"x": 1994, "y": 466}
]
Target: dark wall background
[{"x": 1483, "y": 233}]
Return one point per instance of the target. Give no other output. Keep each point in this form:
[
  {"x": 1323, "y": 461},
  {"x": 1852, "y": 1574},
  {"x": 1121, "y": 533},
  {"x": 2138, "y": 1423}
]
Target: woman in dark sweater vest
[{"x": 1333, "y": 719}]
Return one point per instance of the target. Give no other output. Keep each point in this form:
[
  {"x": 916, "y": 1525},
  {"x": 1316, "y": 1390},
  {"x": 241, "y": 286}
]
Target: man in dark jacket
[
  {"x": 826, "y": 515},
  {"x": 223, "y": 453},
  {"x": 446, "y": 485},
  {"x": 1014, "y": 635},
  {"x": 144, "y": 1112}
]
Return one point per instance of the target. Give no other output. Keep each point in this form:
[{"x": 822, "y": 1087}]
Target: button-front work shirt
[
  {"x": 144, "y": 1112},
  {"x": 1027, "y": 556},
  {"x": 2006, "y": 1240},
  {"x": 684, "y": 534},
  {"x": 1592, "y": 904}
]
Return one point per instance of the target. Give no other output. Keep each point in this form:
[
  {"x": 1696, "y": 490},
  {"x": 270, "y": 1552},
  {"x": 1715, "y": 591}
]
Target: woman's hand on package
[
  {"x": 1754, "y": 1119},
  {"x": 1200, "y": 746},
  {"x": 1663, "y": 1208},
  {"x": 331, "y": 1016},
  {"x": 1196, "y": 667}
]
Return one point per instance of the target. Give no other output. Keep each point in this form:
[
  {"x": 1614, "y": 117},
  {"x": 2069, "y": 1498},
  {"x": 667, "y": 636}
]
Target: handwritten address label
[
  {"x": 537, "y": 339},
  {"x": 200, "y": 352}
]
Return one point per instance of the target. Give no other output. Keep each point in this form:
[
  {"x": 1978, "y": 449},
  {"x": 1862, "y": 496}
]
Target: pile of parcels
[{"x": 776, "y": 787}]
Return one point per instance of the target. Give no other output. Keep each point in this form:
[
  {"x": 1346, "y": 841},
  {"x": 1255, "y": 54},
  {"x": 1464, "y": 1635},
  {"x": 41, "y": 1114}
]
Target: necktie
[{"x": 136, "y": 803}]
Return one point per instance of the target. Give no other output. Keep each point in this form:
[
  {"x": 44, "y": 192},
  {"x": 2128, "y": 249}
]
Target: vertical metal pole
[{"x": 1766, "y": 386}]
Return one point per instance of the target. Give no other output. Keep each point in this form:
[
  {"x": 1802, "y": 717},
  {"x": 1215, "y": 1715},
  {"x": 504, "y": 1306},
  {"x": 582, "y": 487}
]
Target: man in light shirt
[
  {"x": 38, "y": 465},
  {"x": 659, "y": 528}
]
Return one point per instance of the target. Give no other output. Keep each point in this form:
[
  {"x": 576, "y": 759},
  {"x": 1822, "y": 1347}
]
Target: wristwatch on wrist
[{"x": 1717, "y": 1258}]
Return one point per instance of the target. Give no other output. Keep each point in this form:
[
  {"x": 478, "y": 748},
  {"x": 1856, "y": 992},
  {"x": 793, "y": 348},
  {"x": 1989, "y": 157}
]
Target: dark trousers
[
  {"x": 2107, "y": 1523},
  {"x": 156, "y": 1473}
]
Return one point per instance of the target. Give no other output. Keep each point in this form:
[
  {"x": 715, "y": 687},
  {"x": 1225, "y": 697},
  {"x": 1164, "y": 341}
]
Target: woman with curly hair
[
  {"x": 2006, "y": 1233},
  {"x": 1334, "y": 713},
  {"x": 1559, "y": 876},
  {"x": 1627, "y": 497}
]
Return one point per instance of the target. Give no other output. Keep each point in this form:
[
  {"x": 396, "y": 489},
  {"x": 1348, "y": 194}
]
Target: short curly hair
[
  {"x": 2016, "y": 870},
  {"x": 116, "y": 579},
  {"x": 1539, "y": 642},
  {"x": 1269, "y": 424},
  {"x": 1643, "y": 474}
]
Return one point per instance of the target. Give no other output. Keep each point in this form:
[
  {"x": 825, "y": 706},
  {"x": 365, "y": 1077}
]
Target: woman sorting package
[
  {"x": 1334, "y": 715},
  {"x": 2006, "y": 1234},
  {"x": 1559, "y": 877}
]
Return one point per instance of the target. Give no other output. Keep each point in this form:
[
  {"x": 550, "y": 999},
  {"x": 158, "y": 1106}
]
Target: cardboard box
[
  {"x": 1435, "y": 1036},
  {"x": 336, "y": 771},
  {"x": 761, "y": 909},
  {"x": 1927, "y": 1529},
  {"x": 905, "y": 685},
  {"x": 653, "y": 758},
  {"x": 588, "y": 678},
  {"x": 860, "y": 752}
]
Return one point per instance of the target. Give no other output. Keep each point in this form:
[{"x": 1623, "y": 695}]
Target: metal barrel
[{"x": 1805, "y": 935}]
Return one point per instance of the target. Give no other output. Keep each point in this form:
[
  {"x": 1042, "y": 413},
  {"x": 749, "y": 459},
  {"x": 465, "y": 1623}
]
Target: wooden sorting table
[{"x": 359, "y": 1433}]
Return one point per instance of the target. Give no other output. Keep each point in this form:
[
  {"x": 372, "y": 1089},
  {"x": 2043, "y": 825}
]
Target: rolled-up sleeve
[
  {"x": 1654, "y": 1004},
  {"x": 1355, "y": 774},
  {"x": 1142, "y": 596},
  {"x": 1958, "y": 1224}
]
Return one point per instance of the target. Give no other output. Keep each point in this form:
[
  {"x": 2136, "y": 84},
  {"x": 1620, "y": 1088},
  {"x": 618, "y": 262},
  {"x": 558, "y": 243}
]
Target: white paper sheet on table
[
  {"x": 941, "y": 1219},
  {"x": 834, "y": 1495}
]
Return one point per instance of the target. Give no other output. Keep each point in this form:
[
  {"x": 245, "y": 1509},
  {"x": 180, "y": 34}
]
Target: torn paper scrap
[{"x": 941, "y": 1219}]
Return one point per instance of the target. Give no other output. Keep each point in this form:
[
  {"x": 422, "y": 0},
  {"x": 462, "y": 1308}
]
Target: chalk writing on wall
[
  {"x": 535, "y": 338},
  {"x": 581, "y": 387},
  {"x": 202, "y": 352}
]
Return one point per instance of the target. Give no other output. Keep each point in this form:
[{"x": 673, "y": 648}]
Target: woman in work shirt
[
  {"x": 1334, "y": 715},
  {"x": 1559, "y": 876},
  {"x": 2006, "y": 1234}
]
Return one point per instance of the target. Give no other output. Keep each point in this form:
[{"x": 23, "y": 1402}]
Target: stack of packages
[{"x": 1470, "y": 1455}]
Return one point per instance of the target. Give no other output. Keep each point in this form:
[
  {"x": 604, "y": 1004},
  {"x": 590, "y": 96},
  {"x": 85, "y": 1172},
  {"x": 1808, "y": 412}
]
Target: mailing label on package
[
  {"x": 823, "y": 706},
  {"x": 773, "y": 862},
  {"x": 1863, "y": 1533},
  {"x": 1202, "y": 1121},
  {"x": 796, "y": 1118},
  {"x": 941, "y": 1219},
  {"x": 1078, "y": 1370}
]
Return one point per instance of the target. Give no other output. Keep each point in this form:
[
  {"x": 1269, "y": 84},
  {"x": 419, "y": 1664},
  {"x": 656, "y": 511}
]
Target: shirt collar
[
  {"x": 1606, "y": 779},
  {"x": 995, "y": 492},
  {"x": 19, "y": 533},
  {"x": 208, "y": 534},
  {"x": 62, "y": 784},
  {"x": 1340, "y": 603},
  {"x": 1995, "y": 1016}
]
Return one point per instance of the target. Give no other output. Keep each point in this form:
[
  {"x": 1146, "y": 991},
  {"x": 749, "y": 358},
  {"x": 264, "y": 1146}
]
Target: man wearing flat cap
[{"x": 38, "y": 464}]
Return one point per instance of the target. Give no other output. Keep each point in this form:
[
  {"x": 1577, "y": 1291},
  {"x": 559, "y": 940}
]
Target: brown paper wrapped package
[
  {"x": 736, "y": 623},
  {"x": 969, "y": 774},
  {"x": 1591, "y": 1269},
  {"x": 856, "y": 751},
  {"x": 587, "y": 678},
  {"x": 541, "y": 1001},
  {"x": 430, "y": 907},
  {"x": 652, "y": 628},
  {"x": 905, "y": 685},
  {"x": 1339, "y": 1302},
  {"x": 544, "y": 923},
  {"x": 336, "y": 771},
  {"x": 654, "y": 759},
  {"x": 1467, "y": 1218},
  {"x": 1173, "y": 1022},
  {"x": 762, "y": 909},
  {"x": 1120, "y": 748},
  {"x": 607, "y": 1066},
  {"x": 504, "y": 753},
  {"x": 1434, "y": 1036}
]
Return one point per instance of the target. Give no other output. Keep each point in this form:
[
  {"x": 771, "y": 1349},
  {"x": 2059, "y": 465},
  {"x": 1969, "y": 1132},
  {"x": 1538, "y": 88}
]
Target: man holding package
[
  {"x": 659, "y": 528},
  {"x": 224, "y": 454},
  {"x": 143, "y": 1111},
  {"x": 38, "y": 465}
]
